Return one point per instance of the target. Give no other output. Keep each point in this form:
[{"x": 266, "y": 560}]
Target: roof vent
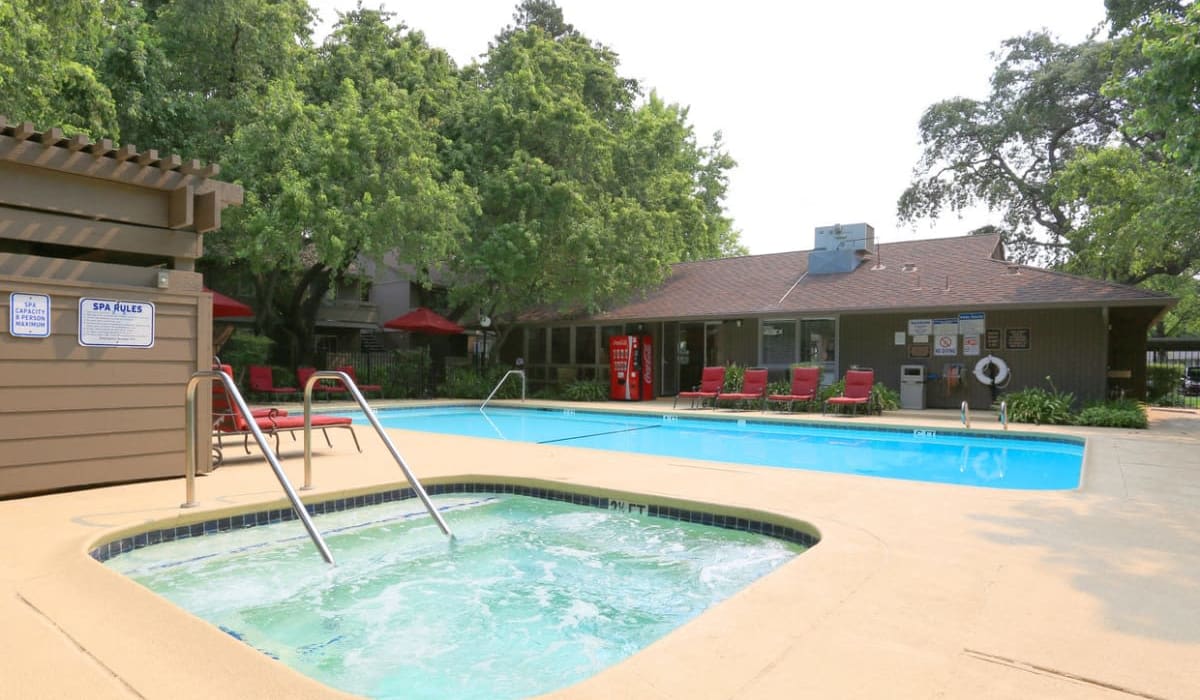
[
  {"x": 836, "y": 248},
  {"x": 909, "y": 267},
  {"x": 1014, "y": 269}
]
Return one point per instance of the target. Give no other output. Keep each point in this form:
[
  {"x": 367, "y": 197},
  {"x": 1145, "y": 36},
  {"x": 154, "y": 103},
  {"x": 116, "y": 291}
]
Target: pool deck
[{"x": 916, "y": 590}]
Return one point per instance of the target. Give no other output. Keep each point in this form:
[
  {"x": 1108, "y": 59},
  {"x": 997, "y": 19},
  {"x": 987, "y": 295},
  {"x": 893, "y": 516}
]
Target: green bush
[
  {"x": 405, "y": 377},
  {"x": 1123, "y": 413},
  {"x": 734, "y": 374},
  {"x": 1040, "y": 406},
  {"x": 1162, "y": 380},
  {"x": 468, "y": 383},
  {"x": 586, "y": 390},
  {"x": 883, "y": 398},
  {"x": 244, "y": 349}
]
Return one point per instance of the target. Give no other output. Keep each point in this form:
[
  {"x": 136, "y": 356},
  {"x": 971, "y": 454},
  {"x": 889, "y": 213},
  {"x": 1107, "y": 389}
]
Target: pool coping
[{"x": 937, "y": 590}]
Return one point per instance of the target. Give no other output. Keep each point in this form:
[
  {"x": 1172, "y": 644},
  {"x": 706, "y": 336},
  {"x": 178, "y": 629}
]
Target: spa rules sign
[{"x": 111, "y": 323}]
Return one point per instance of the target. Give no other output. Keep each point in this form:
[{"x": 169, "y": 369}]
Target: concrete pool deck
[{"x": 916, "y": 590}]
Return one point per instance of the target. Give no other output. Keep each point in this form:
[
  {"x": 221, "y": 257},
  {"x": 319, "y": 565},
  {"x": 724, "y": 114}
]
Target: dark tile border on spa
[{"x": 109, "y": 550}]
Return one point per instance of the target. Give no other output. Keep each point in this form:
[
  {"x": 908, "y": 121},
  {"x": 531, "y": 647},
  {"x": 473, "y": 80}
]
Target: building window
[
  {"x": 778, "y": 344},
  {"x": 607, "y": 332},
  {"x": 585, "y": 345},
  {"x": 537, "y": 347},
  {"x": 560, "y": 345}
]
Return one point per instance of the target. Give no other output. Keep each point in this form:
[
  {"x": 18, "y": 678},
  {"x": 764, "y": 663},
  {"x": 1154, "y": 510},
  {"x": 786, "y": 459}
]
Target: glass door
[{"x": 818, "y": 345}]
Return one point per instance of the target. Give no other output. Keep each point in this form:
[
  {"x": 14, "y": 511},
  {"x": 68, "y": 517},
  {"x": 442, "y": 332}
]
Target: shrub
[
  {"x": 405, "y": 377},
  {"x": 468, "y": 383},
  {"x": 1123, "y": 413},
  {"x": 245, "y": 349},
  {"x": 884, "y": 398},
  {"x": 733, "y": 379},
  {"x": 586, "y": 390},
  {"x": 1037, "y": 405},
  {"x": 1162, "y": 380}
]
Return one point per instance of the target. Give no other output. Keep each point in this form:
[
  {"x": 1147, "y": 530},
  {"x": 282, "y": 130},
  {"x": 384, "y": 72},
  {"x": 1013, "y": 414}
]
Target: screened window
[
  {"x": 779, "y": 344},
  {"x": 560, "y": 346},
  {"x": 585, "y": 345}
]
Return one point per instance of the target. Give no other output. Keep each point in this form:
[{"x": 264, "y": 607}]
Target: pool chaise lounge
[
  {"x": 712, "y": 380},
  {"x": 805, "y": 382},
  {"x": 228, "y": 420},
  {"x": 857, "y": 392},
  {"x": 754, "y": 388}
]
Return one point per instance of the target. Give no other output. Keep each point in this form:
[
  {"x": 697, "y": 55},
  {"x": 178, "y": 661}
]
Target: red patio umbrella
[
  {"x": 422, "y": 320},
  {"x": 226, "y": 307}
]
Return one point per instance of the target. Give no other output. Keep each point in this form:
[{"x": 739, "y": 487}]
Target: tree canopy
[
  {"x": 1089, "y": 152},
  {"x": 537, "y": 176}
]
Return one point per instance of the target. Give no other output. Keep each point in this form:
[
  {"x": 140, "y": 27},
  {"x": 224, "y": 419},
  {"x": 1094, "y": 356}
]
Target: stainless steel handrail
[
  {"x": 362, "y": 404},
  {"x": 501, "y": 382},
  {"x": 232, "y": 392},
  {"x": 965, "y": 414},
  {"x": 1003, "y": 417}
]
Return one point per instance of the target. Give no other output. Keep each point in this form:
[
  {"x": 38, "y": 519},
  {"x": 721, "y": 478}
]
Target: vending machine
[{"x": 631, "y": 368}]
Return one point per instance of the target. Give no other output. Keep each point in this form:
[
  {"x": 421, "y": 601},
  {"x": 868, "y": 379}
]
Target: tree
[
  {"x": 48, "y": 57},
  {"x": 342, "y": 169},
  {"x": 1045, "y": 105},
  {"x": 586, "y": 197}
]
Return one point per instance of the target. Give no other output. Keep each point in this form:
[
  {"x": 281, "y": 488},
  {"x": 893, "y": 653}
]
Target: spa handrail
[
  {"x": 362, "y": 404},
  {"x": 965, "y": 415},
  {"x": 232, "y": 392},
  {"x": 1003, "y": 417},
  {"x": 507, "y": 374}
]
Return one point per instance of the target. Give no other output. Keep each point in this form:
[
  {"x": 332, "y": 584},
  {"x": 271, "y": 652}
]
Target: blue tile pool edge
[{"x": 107, "y": 550}]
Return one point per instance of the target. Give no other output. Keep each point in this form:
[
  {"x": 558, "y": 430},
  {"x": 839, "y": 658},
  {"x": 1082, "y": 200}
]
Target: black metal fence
[{"x": 1173, "y": 378}]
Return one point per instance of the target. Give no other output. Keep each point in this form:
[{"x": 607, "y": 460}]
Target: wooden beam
[
  {"x": 180, "y": 207},
  {"x": 170, "y": 162},
  {"x": 23, "y": 131},
  {"x": 125, "y": 152},
  {"x": 3, "y": 122},
  {"x": 77, "y": 143},
  {"x": 100, "y": 148},
  {"x": 207, "y": 212},
  {"x": 95, "y": 165},
  {"x": 191, "y": 167},
  {"x": 43, "y": 227},
  {"x": 51, "y": 137},
  {"x": 148, "y": 157}
]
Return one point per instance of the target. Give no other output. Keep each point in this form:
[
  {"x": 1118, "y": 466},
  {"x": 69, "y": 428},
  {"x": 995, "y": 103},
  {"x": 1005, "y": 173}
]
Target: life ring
[{"x": 981, "y": 371}]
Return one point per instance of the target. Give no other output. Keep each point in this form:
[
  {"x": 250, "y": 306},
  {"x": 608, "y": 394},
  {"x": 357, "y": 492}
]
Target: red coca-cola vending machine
[{"x": 631, "y": 367}]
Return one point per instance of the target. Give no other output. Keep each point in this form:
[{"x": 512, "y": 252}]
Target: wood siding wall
[
  {"x": 1068, "y": 345},
  {"x": 72, "y": 415}
]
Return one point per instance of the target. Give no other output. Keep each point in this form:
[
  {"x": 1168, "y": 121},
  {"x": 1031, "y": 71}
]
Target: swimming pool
[
  {"x": 531, "y": 595},
  {"x": 949, "y": 457}
]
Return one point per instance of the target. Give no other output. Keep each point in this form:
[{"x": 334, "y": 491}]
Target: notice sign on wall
[
  {"x": 28, "y": 315},
  {"x": 109, "y": 323}
]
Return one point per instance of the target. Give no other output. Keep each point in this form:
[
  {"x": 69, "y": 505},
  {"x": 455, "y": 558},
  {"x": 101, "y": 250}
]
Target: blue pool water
[
  {"x": 914, "y": 454},
  {"x": 531, "y": 595}
]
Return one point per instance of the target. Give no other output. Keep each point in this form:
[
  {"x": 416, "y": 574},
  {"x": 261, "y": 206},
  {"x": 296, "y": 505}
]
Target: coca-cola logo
[{"x": 647, "y": 364}]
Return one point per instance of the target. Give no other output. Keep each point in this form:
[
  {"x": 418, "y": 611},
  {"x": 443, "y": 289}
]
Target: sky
[{"x": 818, "y": 102}]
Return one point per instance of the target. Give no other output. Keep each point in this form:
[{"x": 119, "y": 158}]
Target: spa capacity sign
[
  {"x": 109, "y": 323},
  {"x": 29, "y": 315}
]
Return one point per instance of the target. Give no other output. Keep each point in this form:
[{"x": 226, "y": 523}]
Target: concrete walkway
[{"x": 915, "y": 591}]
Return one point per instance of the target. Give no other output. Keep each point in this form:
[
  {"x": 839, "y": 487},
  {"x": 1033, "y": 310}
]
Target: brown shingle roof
[{"x": 953, "y": 273}]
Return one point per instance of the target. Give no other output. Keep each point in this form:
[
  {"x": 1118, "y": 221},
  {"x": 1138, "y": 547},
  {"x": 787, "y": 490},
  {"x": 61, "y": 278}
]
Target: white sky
[{"x": 818, "y": 102}]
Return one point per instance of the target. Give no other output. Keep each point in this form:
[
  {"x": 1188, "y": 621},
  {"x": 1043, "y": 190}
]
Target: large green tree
[
  {"x": 1046, "y": 103},
  {"x": 587, "y": 193},
  {"x": 49, "y": 57},
  {"x": 343, "y": 168}
]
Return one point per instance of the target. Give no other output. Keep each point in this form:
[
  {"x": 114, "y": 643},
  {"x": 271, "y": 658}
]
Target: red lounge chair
[
  {"x": 858, "y": 390},
  {"x": 754, "y": 388},
  {"x": 261, "y": 382},
  {"x": 228, "y": 420},
  {"x": 711, "y": 382},
  {"x": 805, "y": 382},
  {"x": 364, "y": 388},
  {"x": 321, "y": 388}
]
